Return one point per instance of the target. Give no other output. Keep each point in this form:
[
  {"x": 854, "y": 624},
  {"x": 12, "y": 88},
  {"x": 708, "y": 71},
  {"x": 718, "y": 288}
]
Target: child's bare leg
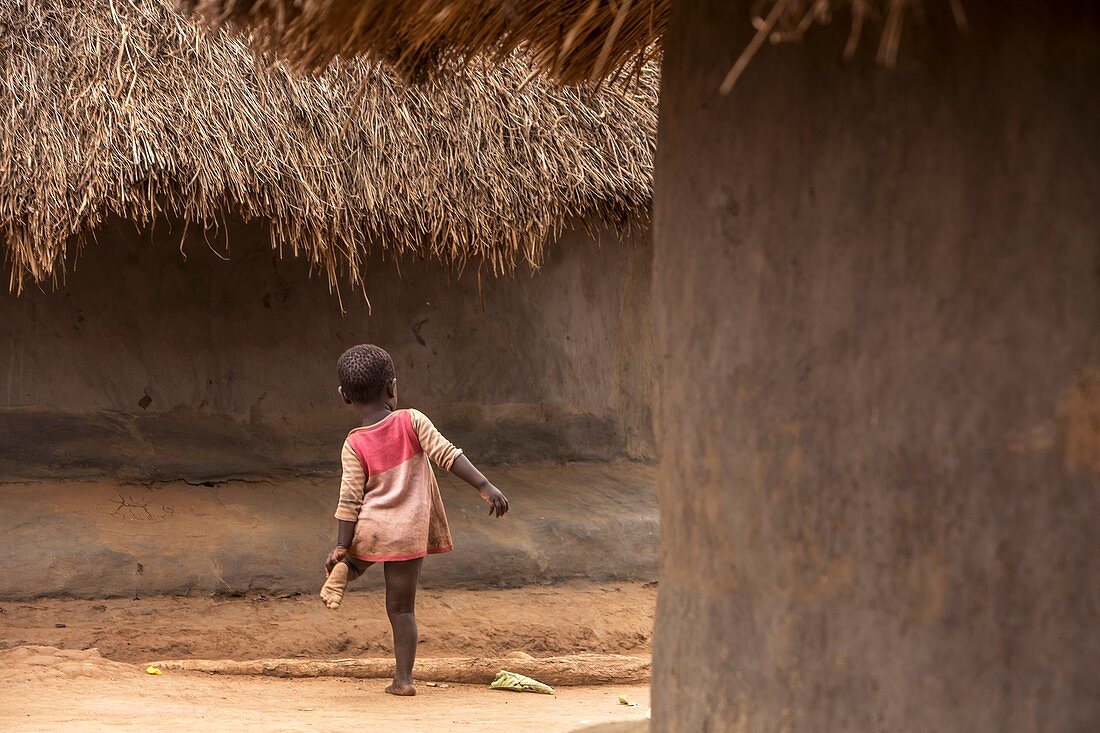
[
  {"x": 348, "y": 569},
  {"x": 401, "y": 580}
]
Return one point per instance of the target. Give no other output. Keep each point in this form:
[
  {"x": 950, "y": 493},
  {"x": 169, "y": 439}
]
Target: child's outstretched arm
[
  {"x": 443, "y": 452},
  {"x": 498, "y": 502}
]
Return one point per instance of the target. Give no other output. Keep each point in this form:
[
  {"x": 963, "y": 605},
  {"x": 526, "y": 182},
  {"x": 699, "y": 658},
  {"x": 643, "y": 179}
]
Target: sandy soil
[
  {"x": 539, "y": 620},
  {"x": 45, "y": 689},
  {"x": 50, "y": 675}
]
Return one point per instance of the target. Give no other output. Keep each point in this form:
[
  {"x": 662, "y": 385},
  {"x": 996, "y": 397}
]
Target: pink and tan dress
[{"x": 388, "y": 487}]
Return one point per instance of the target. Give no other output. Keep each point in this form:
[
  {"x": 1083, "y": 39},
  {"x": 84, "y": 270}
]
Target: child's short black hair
[{"x": 364, "y": 371}]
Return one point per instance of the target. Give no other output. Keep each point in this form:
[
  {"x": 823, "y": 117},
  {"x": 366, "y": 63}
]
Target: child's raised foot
[
  {"x": 402, "y": 689},
  {"x": 332, "y": 592}
]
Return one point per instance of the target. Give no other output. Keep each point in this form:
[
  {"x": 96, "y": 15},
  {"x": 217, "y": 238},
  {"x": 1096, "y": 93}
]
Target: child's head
[{"x": 366, "y": 375}]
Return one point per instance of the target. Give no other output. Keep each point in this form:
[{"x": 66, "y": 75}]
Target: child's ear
[
  {"x": 347, "y": 401},
  {"x": 391, "y": 389}
]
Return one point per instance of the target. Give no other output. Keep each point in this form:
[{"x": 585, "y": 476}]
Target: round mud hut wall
[{"x": 889, "y": 281}]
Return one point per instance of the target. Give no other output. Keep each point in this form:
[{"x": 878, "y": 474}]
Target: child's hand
[
  {"x": 498, "y": 502},
  {"x": 337, "y": 554}
]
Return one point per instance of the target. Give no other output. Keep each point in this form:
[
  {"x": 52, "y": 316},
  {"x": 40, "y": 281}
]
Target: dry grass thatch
[
  {"x": 126, "y": 108},
  {"x": 573, "y": 41}
]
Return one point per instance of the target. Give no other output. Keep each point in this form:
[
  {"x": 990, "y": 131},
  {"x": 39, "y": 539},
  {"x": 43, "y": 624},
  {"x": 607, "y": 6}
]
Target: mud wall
[
  {"x": 159, "y": 406},
  {"x": 156, "y": 362},
  {"x": 100, "y": 538},
  {"x": 889, "y": 285}
]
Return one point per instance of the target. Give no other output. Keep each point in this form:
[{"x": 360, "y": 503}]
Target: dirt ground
[
  {"x": 52, "y": 676},
  {"x": 45, "y": 689},
  {"x": 539, "y": 620}
]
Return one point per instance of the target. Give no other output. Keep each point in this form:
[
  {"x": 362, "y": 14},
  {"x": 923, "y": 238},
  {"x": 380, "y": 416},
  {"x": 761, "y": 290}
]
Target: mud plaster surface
[
  {"x": 149, "y": 364},
  {"x": 101, "y": 539},
  {"x": 1079, "y": 419},
  {"x": 890, "y": 281}
]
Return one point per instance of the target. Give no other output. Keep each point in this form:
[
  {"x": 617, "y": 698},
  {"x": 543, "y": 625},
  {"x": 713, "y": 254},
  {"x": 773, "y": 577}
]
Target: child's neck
[{"x": 371, "y": 412}]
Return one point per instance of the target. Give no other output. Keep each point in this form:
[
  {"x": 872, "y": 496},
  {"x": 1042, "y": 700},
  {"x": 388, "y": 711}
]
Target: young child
[{"x": 390, "y": 510}]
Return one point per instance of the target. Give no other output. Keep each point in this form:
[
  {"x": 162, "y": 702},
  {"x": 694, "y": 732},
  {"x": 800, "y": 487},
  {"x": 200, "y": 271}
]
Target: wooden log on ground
[{"x": 573, "y": 669}]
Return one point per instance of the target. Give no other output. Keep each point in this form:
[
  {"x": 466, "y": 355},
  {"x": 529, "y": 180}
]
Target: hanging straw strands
[
  {"x": 787, "y": 21},
  {"x": 126, "y": 108},
  {"x": 574, "y": 41}
]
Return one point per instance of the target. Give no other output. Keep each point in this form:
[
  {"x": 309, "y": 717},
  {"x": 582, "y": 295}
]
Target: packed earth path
[
  {"x": 94, "y": 651},
  {"x": 44, "y": 689}
]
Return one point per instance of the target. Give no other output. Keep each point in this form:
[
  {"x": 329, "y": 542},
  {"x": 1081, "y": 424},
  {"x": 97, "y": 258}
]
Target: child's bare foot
[
  {"x": 332, "y": 592},
  {"x": 402, "y": 689}
]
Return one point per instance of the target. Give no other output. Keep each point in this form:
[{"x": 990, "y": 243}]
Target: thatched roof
[
  {"x": 571, "y": 40},
  {"x": 126, "y": 108}
]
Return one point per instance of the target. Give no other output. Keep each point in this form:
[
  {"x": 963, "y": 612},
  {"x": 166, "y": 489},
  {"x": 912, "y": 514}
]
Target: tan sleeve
[
  {"x": 353, "y": 483},
  {"x": 438, "y": 448}
]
